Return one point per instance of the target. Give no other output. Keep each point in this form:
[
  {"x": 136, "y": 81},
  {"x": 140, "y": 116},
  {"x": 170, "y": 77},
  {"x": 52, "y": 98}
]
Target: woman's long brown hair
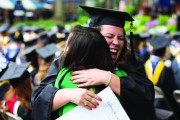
[{"x": 22, "y": 92}]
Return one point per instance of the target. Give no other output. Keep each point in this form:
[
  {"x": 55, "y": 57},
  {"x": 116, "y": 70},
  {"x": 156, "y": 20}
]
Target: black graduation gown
[
  {"x": 25, "y": 114},
  {"x": 167, "y": 83},
  {"x": 176, "y": 71},
  {"x": 137, "y": 95}
]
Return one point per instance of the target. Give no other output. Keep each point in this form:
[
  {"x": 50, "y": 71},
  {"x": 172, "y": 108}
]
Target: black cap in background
[
  {"x": 159, "y": 42},
  {"x": 28, "y": 50},
  {"x": 47, "y": 52},
  {"x": 3, "y": 63},
  {"x": 12, "y": 31},
  {"x": 4, "y": 28},
  {"x": 144, "y": 36},
  {"x": 31, "y": 41},
  {"x": 16, "y": 73}
]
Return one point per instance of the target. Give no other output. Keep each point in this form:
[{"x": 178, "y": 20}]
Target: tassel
[{"x": 132, "y": 57}]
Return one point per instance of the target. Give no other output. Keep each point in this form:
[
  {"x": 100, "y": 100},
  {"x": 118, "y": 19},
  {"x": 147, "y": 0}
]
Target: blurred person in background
[
  {"x": 46, "y": 55},
  {"x": 161, "y": 74},
  {"x": 17, "y": 99}
]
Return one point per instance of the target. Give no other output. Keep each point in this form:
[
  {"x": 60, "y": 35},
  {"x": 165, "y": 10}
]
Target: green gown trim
[{"x": 67, "y": 83}]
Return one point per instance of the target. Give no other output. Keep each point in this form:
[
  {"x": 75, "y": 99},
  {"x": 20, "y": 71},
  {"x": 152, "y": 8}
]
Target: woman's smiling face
[{"x": 115, "y": 39}]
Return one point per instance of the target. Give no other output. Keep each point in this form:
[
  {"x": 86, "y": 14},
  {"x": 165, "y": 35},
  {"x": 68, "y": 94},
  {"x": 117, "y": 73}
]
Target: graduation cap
[
  {"x": 52, "y": 33},
  {"x": 27, "y": 29},
  {"x": 3, "y": 63},
  {"x": 31, "y": 41},
  {"x": 12, "y": 31},
  {"x": 16, "y": 73},
  {"x": 144, "y": 35},
  {"x": 47, "y": 52},
  {"x": 39, "y": 30},
  {"x": 176, "y": 35},
  {"x": 103, "y": 16},
  {"x": 159, "y": 42},
  {"x": 42, "y": 35},
  {"x": 4, "y": 28},
  {"x": 29, "y": 50}
]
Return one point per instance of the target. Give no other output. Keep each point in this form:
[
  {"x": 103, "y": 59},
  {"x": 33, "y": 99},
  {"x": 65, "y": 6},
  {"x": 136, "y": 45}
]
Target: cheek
[
  {"x": 108, "y": 41},
  {"x": 121, "y": 44}
]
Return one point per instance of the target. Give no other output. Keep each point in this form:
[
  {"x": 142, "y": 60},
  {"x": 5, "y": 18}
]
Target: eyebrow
[{"x": 113, "y": 34}]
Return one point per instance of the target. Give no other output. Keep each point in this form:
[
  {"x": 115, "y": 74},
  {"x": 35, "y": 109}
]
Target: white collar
[{"x": 154, "y": 58}]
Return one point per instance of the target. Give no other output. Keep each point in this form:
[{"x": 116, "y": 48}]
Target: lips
[
  {"x": 113, "y": 53},
  {"x": 113, "y": 50}
]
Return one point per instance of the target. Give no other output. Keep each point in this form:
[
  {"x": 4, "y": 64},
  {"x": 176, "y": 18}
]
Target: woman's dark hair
[
  {"x": 86, "y": 48},
  {"x": 160, "y": 52},
  {"x": 121, "y": 61}
]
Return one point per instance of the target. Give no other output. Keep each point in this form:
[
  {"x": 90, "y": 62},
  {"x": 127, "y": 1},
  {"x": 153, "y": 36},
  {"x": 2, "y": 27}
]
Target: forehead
[{"x": 111, "y": 29}]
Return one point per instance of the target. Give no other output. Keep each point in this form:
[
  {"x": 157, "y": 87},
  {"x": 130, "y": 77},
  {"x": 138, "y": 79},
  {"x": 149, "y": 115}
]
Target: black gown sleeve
[
  {"x": 137, "y": 94},
  {"x": 42, "y": 97},
  {"x": 25, "y": 114}
]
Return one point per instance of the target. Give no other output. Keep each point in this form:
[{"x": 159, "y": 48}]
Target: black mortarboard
[
  {"x": 42, "y": 35},
  {"x": 47, "y": 52},
  {"x": 32, "y": 41},
  {"x": 16, "y": 73},
  {"x": 12, "y": 31},
  {"x": 3, "y": 64},
  {"x": 27, "y": 29},
  {"x": 4, "y": 28},
  {"x": 33, "y": 28},
  {"x": 39, "y": 30},
  {"x": 176, "y": 35},
  {"x": 159, "y": 42},
  {"x": 29, "y": 50},
  {"x": 28, "y": 54},
  {"x": 144, "y": 35},
  {"x": 103, "y": 16},
  {"x": 52, "y": 33}
]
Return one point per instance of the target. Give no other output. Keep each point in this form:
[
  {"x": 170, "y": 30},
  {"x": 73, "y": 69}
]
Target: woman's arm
[
  {"x": 77, "y": 96},
  {"x": 91, "y": 77},
  {"x": 46, "y": 98},
  {"x": 135, "y": 90}
]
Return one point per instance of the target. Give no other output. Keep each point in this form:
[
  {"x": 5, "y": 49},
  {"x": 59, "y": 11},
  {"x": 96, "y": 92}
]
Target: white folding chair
[
  {"x": 11, "y": 116},
  {"x": 159, "y": 94},
  {"x": 162, "y": 114},
  {"x": 176, "y": 95}
]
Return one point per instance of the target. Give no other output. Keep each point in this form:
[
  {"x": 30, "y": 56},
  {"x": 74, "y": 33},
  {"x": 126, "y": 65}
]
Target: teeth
[{"x": 113, "y": 50}]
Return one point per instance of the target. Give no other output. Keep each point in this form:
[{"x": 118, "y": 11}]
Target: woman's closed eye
[
  {"x": 109, "y": 37},
  {"x": 120, "y": 38}
]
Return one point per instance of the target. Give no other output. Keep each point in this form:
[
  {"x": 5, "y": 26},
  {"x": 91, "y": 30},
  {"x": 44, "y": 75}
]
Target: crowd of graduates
[
  {"x": 27, "y": 52},
  {"x": 160, "y": 54}
]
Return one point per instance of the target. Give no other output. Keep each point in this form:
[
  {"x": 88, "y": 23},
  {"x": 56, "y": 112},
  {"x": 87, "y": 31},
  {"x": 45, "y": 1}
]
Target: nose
[{"x": 115, "y": 41}]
